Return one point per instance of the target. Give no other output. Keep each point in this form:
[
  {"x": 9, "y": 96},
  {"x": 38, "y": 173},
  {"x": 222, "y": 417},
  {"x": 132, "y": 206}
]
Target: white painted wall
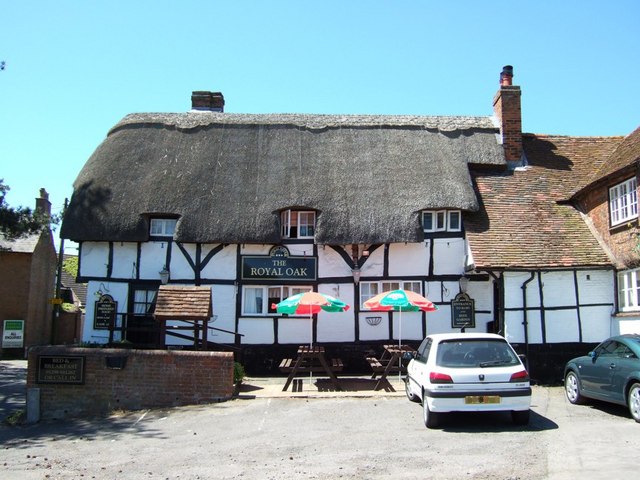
[
  {"x": 560, "y": 300},
  {"x": 331, "y": 264},
  {"x": 119, "y": 292},
  {"x": 409, "y": 259},
  {"x": 222, "y": 265},
  {"x": 594, "y": 286},
  {"x": 153, "y": 258},
  {"x": 125, "y": 256},
  {"x": 94, "y": 258},
  {"x": 627, "y": 324},
  {"x": 179, "y": 266},
  {"x": 449, "y": 256}
]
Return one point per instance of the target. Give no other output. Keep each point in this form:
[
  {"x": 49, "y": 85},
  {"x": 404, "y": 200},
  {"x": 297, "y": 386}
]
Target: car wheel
[
  {"x": 407, "y": 389},
  {"x": 572, "y": 388},
  {"x": 633, "y": 400},
  {"x": 431, "y": 419},
  {"x": 520, "y": 417}
]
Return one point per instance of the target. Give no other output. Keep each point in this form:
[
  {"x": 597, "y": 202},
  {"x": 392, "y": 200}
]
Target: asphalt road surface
[{"x": 327, "y": 438}]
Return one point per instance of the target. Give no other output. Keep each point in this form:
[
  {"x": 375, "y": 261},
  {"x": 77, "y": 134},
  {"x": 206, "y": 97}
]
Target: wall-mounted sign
[
  {"x": 60, "y": 369},
  {"x": 463, "y": 311},
  {"x": 13, "y": 334},
  {"x": 278, "y": 265},
  {"x": 105, "y": 312}
]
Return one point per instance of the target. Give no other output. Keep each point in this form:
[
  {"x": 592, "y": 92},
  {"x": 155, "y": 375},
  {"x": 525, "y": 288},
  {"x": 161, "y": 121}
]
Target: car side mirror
[
  {"x": 406, "y": 356},
  {"x": 593, "y": 355}
]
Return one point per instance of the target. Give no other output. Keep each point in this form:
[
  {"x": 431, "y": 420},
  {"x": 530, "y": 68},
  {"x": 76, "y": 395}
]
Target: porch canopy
[{"x": 191, "y": 305}]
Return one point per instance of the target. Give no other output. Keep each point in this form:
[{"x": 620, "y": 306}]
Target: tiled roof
[
  {"x": 626, "y": 153},
  {"x": 183, "y": 303},
  {"x": 20, "y": 245},
  {"x": 520, "y": 223}
]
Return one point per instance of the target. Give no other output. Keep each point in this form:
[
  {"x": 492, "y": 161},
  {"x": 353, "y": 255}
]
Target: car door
[
  {"x": 596, "y": 372},
  {"x": 417, "y": 369},
  {"x": 624, "y": 364}
]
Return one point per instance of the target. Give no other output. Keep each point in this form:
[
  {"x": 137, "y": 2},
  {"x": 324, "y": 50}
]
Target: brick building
[{"x": 27, "y": 281}]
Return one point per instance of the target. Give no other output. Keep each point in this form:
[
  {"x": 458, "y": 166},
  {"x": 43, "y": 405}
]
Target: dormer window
[
  {"x": 441, "y": 221},
  {"x": 163, "y": 227},
  {"x": 623, "y": 202},
  {"x": 298, "y": 224}
]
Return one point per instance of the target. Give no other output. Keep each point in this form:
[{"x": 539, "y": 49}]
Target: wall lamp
[
  {"x": 356, "y": 275},
  {"x": 464, "y": 283},
  {"x": 164, "y": 275}
]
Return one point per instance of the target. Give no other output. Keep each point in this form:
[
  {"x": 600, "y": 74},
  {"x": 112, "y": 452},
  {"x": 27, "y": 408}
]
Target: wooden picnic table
[
  {"x": 311, "y": 359},
  {"x": 389, "y": 362}
]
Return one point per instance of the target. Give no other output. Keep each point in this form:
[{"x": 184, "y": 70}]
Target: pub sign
[
  {"x": 463, "y": 311},
  {"x": 105, "y": 312},
  {"x": 278, "y": 265}
]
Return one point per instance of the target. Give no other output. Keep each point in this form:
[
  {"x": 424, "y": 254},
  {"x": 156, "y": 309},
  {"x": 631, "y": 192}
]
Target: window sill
[{"x": 628, "y": 313}]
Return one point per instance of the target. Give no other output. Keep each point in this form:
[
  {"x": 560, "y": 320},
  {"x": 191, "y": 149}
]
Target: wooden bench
[
  {"x": 286, "y": 366},
  {"x": 375, "y": 364}
]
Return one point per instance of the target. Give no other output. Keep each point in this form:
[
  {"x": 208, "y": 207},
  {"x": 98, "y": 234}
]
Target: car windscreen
[{"x": 475, "y": 353}]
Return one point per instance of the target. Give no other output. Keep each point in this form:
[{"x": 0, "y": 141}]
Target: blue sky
[{"x": 75, "y": 68}]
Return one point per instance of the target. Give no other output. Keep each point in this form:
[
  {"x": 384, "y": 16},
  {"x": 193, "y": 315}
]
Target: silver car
[{"x": 468, "y": 372}]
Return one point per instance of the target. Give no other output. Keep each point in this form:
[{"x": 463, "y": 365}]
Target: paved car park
[{"x": 270, "y": 434}]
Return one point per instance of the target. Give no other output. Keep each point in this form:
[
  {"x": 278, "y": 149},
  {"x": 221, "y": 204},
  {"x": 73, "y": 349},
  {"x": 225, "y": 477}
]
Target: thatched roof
[{"x": 227, "y": 176}]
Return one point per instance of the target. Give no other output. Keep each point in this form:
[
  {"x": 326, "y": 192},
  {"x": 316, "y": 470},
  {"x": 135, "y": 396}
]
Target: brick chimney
[
  {"x": 207, "y": 101},
  {"x": 43, "y": 205},
  {"x": 506, "y": 108}
]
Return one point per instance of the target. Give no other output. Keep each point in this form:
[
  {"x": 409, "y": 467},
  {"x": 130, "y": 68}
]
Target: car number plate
[{"x": 480, "y": 399}]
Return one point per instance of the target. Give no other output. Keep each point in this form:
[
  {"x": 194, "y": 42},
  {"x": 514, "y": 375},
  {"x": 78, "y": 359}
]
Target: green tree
[{"x": 16, "y": 222}]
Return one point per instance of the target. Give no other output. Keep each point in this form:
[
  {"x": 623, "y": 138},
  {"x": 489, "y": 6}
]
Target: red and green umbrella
[
  {"x": 308, "y": 303},
  {"x": 400, "y": 301}
]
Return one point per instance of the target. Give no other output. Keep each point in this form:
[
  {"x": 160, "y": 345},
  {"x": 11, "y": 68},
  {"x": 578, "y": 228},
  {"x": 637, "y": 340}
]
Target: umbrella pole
[
  {"x": 310, "y": 346},
  {"x": 400, "y": 345}
]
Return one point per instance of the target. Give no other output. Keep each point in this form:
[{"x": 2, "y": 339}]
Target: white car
[{"x": 468, "y": 372}]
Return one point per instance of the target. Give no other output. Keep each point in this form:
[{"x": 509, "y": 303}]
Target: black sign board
[
  {"x": 105, "y": 312},
  {"x": 60, "y": 369},
  {"x": 278, "y": 266},
  {"x": 463, "y": 312}
]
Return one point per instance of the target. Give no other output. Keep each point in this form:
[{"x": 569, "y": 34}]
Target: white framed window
[
  {"x": 623, "y": 202},
  {"x": 629, "y": 290},
  {"x": 298, "y": 224},
  {"x": 441, "y": 220},
  {"x": 371, "y": 289},
  {"x": 257, "y": 299},
  {"x": 163, "y": 227},
  {"x": 454, "y": 221}
]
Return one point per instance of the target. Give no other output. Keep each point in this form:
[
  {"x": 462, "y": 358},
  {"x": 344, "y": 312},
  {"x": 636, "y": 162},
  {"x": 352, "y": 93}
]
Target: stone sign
[{"x": 60, "y": 369}]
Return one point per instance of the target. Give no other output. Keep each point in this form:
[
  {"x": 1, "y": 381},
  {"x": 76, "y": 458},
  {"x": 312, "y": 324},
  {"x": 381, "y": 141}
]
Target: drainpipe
[
  {"x": 497, "y": 303},
  {"x": 525, "y": 320}
]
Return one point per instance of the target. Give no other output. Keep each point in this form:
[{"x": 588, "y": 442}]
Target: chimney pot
[
  {"x": 507, "y": 109},
  {"x": 506, "y": 76},
  {"x": 43, "y": 205},
  {"x": 207, "y": 101}
]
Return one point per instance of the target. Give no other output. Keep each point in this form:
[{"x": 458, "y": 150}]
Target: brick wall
[
  {"x": 622, "y": 239},
  {"x": 150, "y": 379},
  {"x": 507, "y": 108}
]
